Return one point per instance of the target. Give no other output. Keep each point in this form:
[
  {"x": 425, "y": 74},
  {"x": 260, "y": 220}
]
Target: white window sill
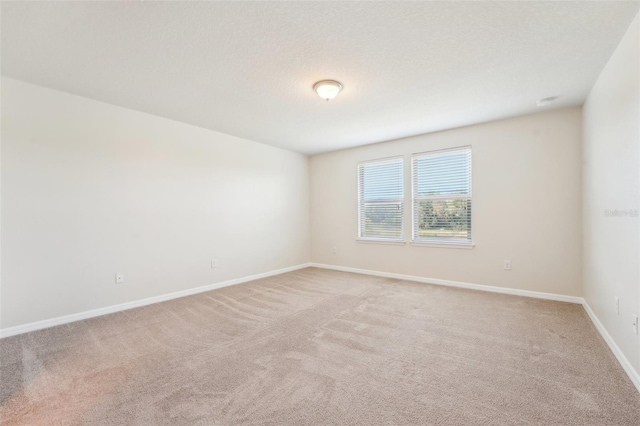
[
  {"x": 466, "y": 246},
  {"x": 374, "y": 241}
]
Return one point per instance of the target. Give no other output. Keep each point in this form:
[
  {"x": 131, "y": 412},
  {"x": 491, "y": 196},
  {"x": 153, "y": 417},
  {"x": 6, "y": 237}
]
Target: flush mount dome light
[
  {"x": 546, "y": 101},
  {"x": 327, "y": 89}
]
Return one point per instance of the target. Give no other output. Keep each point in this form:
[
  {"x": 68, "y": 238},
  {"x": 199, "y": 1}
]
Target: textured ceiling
[{"x": 247, "y": 68}]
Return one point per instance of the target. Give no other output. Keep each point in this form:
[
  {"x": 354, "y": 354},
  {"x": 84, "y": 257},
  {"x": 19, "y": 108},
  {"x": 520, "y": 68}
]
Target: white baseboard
[
  {"x": 437, "y": 281},
  {"x": 38, "y": 325},
  {"x": 624, "y": 362},
  {"x": 626, "y": 365}
]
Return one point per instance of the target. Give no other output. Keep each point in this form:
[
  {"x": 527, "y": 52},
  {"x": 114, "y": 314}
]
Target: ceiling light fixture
[
  {"x": 327, "y": 89},
  {"x": 546, "y": 101}
]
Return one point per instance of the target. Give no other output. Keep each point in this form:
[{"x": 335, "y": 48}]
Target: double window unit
[{"x": 441, "y": 198}]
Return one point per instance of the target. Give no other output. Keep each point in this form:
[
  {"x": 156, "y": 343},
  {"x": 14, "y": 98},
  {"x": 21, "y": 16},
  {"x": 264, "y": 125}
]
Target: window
[
  {"x": 381, "y": 199},
  {"x": 441, "y": 186}
]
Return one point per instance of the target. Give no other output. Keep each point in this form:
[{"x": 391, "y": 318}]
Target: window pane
[
  {"x": 443, "y": 173},
  {"x": 449, "y": 219},
  {"x": 382, "y": 220},
  {"x": 382, "y": 180},
  {"x": 442, "y": 196},
  {"x": 381, "y": 202}
]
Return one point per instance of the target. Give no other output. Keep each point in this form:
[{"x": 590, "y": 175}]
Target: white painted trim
[
  {"x": 379, "y": 241},
  {"x": 444, "y": 245},
  {"x": 626, "y": 365},
  {"x": 38, "y": 325},
  {"x": 437, "y": 281},
  {"x": 634, "y": 376}
]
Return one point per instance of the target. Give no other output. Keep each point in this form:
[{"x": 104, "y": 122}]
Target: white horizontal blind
[
  {"x": 381, "y": 199},
  {"x": 441, "y": 182}
]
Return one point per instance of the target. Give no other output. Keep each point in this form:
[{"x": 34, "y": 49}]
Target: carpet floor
[{"x": 319, "y": 347}]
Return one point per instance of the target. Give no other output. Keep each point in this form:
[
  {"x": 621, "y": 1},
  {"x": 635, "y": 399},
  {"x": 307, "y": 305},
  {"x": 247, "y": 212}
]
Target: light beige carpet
[{"x": 317, "y": 347}]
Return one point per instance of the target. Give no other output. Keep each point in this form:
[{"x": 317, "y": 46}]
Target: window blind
[
  {"x": 381, "y": 199},
  {"x": 441, "y": 186}
]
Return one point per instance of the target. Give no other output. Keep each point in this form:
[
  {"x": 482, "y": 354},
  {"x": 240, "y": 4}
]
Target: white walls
[
  {"x": 90, "y": 189},
  {"x": 526, "y": 206},
  {"x": 611, "y": 181}
]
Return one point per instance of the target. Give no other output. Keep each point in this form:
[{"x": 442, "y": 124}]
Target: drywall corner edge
[
  {"x": 624, "y": 362},
  {"x": 634, "y": 376}
]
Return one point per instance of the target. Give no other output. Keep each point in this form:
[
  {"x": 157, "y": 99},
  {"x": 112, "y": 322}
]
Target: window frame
[
  {"x": 402, "y": 200},
  {"x": 435, "y": 241}
]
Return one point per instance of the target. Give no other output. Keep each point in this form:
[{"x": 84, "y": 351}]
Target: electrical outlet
[
  {"x": 119, "y": 278},
  {"x": 334, "y": 250},
  {"x": 214, "y": 263},
  {"x": 635, "y": 323},
  {"x": 617, "y": 304},
  {"x": 507, "y": 265}
]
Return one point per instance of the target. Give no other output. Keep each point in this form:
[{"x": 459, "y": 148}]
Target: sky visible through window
[
  {"x": 382, "y": 180},
  {"x": 443, "y": 174}
]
